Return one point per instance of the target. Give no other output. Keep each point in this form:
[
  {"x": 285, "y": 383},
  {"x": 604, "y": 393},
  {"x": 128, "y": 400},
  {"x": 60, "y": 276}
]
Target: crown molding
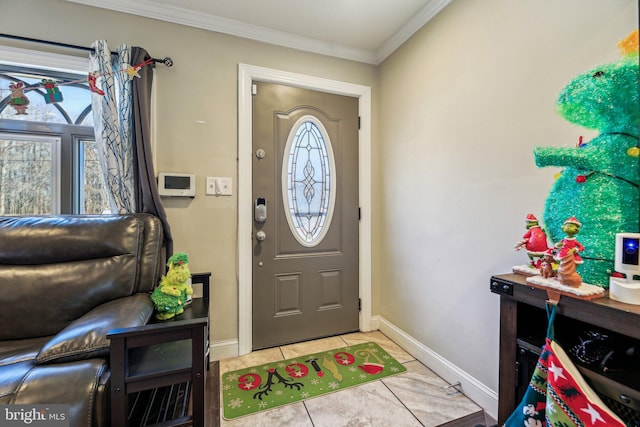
[
  {"x": 182, "y": 16},
  {"x": 428, "y": 12}
]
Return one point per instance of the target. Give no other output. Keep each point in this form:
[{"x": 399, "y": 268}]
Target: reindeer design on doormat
[{"x": 271, "y": 380}]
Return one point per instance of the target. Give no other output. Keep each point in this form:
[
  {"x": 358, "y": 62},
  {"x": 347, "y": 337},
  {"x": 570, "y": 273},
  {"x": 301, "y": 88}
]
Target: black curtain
[{"x": 147, "y": 197}]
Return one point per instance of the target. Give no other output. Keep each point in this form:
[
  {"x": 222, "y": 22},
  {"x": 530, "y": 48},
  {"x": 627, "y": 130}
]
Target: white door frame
[{"x": 246, "y": 75}]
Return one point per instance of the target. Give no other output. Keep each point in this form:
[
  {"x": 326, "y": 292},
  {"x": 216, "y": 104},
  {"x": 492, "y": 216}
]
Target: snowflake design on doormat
[
  {"x": 236, "y": 403},
  {"x": 233, "y": 377}
]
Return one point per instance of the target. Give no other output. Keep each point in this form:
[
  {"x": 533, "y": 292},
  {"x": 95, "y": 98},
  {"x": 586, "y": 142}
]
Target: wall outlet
[{"x": 219, "y": 186}]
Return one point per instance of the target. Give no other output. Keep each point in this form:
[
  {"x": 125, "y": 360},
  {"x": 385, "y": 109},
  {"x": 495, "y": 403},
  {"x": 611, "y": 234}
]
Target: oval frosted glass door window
[{"x": 308, "y": 181}]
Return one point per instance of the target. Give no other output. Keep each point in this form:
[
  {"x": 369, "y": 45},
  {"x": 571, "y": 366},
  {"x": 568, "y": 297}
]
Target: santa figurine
[
  {"x": 571, "y": 227},
  {"x": 534, "y": 241}
]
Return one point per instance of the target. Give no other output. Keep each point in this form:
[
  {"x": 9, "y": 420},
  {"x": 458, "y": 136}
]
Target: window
[
  {"x": 28, "y": 174},
  {"x": 308, "y": 181},
  {"x": 48, "y": 159}
]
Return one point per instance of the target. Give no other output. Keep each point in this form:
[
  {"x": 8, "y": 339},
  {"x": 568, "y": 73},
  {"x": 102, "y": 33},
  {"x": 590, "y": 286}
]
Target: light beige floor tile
[
  {"x": 424, "y": 393},
  {"x": 370, "y": 404},
  {"x": 301, "y": 349},
  {"x": 259, "y": 357},
  {"x": 294, "y": 415},
  {"x": 381, "y": 339}
]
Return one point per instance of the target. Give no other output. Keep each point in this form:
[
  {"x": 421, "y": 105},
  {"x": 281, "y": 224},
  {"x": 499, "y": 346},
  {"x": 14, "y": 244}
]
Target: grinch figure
[
  {"x": 170, "y": 296},
  {"x": 599, "y": 184},
  {"x": 571, "y": 227},
  {"x": 534, "y": 241}
]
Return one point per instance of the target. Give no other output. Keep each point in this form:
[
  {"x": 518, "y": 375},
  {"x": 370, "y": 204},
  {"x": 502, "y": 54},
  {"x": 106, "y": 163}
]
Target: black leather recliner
[{"x": 65, "y": 281}]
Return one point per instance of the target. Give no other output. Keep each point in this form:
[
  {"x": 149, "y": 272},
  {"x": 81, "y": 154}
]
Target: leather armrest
[{"x": 86, "y": 337}]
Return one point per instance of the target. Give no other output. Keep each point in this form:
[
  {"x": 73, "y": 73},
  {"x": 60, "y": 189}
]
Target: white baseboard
[
  {"x": 482, "y": 395},
  {"x": 219, "y": 350}
]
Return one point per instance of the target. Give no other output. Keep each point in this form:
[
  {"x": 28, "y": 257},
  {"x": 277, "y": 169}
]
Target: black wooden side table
[{"x": 163, "y": 353}]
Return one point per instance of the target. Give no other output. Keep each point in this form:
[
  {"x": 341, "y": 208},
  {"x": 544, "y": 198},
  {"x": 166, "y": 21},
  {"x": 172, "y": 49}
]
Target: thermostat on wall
[{"x": 174, "y": 184}]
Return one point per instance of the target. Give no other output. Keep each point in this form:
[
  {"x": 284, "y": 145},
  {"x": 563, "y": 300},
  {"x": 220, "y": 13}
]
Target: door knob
[{"x": 261, "y": 235}]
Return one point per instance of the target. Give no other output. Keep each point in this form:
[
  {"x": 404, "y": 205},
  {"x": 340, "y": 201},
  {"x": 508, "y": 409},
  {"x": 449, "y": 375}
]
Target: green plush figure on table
[
  {"x": 599, "y": 184},
  {"x": 171, "y": 294}
]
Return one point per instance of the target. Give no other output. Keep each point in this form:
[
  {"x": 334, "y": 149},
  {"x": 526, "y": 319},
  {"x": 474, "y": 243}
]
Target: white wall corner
[{"x": 482, "y": 395}]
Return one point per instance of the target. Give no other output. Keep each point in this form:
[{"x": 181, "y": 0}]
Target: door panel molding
[{"x": 246, "y": 75}]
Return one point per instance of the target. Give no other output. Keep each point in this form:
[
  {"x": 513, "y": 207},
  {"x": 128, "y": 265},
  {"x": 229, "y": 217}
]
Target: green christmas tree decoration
[{"x": 599, "y": 183}]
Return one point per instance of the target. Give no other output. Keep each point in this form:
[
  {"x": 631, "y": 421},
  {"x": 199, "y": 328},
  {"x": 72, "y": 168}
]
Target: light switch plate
[
  {"x": 211, "y": 186},
  {"x": 219, "y": 186}
]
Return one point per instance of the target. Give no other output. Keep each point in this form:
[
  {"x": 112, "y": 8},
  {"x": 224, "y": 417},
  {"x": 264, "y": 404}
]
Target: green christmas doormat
[{"x": 250, "y": 390}]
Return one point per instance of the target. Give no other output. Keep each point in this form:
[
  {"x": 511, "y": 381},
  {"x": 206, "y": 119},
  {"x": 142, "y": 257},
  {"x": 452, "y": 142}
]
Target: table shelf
[
  {"x": 523, "y": 326},
  {"x": 162, "y": 354}
]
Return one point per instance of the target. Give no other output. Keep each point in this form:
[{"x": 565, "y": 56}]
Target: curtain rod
[{"x": 166, "y": 61}]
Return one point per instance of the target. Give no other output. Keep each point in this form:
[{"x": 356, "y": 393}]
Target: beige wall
[
  {"x": 200, "y": 87},
  {"x": 462, "y": 104}
]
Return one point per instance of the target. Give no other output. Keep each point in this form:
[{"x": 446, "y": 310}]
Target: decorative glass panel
[{"x": 308, "y": 177}]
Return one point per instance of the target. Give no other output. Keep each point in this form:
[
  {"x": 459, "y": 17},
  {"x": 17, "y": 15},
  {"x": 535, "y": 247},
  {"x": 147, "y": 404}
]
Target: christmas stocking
[{"x": 557, "y": 395}]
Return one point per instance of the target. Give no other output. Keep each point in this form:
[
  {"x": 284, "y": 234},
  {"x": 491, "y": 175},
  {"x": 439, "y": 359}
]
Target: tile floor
[{"x": 417, "y": 397}]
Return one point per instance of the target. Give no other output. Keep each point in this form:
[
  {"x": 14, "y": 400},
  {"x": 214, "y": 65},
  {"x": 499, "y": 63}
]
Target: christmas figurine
[
  {"x": 571, "y": 227},
  {"x": 548, "y": 265},
  {"x": 18, "y": 100},
  {"x": 599, "y": 183},
  {"x": 567, "y": 274},
  {"x": 534, "y": 241},
  {"x": 171, "y": 295}
]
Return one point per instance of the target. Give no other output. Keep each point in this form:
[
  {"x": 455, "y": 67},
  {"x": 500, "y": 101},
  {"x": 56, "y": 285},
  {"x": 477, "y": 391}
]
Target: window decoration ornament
[
  {"x": 19, "y": 100},
  {"x": 53, "y": 93},
  {"x": 93, "y": 76}
]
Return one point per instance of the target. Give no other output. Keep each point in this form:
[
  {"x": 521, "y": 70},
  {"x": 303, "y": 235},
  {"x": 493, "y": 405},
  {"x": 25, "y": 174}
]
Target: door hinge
[
  {"x": 254, "y": 89},
  {"x": 359, "y": 304},
  {"x": 359, "y": 213},
  {"x": 359, "y": 122}
]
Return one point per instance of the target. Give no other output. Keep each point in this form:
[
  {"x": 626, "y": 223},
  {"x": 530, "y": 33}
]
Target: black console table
[
  {"x": 163, "y": 353},
  {"x": 523, "y": 326}
]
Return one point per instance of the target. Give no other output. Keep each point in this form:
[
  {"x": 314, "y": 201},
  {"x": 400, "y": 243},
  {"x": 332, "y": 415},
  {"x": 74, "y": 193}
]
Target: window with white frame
[{"x": 48, "y": 160}]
